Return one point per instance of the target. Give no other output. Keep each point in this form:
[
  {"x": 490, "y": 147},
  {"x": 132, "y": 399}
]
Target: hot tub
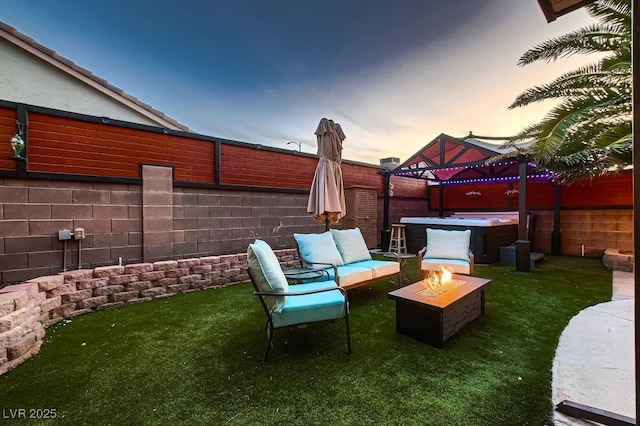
[{"x": 488, "y": 234}]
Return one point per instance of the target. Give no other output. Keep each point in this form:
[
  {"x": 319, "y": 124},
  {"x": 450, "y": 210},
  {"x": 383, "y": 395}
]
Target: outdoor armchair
[
  {"x": 298, "y": 304},
  {"x": 446, "y": 248}
]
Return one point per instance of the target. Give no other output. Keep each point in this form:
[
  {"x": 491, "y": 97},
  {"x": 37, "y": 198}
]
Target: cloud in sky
[{"x": 394, "y": 74}]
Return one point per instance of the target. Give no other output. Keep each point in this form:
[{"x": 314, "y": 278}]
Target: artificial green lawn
[{"x": 197, "y": 359}]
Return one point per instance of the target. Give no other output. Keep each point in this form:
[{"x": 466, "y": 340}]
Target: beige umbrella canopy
[{"x": 326, "y": 199}]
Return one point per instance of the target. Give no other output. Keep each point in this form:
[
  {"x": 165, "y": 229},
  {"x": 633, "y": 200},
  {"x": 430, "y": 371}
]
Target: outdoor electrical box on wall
[{"x": 64, "y": 235}]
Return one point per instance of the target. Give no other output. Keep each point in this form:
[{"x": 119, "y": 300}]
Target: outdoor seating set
[{"x": 342, "y": 262}]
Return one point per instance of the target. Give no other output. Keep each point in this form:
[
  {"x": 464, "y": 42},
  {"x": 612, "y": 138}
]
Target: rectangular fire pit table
[{"x": 433, "y": 320}]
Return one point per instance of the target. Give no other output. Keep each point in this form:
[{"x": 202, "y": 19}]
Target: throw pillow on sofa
[
  {"x": 318, "y": 248},
  {"x": 351, "y": 245}
]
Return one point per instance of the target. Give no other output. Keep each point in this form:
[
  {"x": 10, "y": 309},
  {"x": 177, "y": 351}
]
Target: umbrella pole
[{"x": 326, "y": 222}]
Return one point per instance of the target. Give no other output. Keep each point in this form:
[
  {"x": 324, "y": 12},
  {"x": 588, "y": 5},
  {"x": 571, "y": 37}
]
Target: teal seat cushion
[
  {"x": 361, "y": 271},
  {"x": 350, "y": 274},
  {"x": 314, "y": 307},
  {"x": 267, "y": 273},
  {"x": 379, "y": 268}
]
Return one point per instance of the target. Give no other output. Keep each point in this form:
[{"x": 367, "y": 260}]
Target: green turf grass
[{"x": 197, "y": 359}]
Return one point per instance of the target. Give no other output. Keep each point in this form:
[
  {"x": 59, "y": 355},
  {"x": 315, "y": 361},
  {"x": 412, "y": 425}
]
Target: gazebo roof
[
  {"x": 555, "y": 8},
  {"x": 449, "y": 160}
]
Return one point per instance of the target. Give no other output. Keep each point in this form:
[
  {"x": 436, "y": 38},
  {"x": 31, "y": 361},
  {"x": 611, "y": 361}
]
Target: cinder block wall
[
  {"x": 26, "y": 309},
  {"x": 198, "y": 222},
  {"x": 33, "y": 211},
  {"x": 597, "y": 230},
  {"x": 208, "y": 221}
]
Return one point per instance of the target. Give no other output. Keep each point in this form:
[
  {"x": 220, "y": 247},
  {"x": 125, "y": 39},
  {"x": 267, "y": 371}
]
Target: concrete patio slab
[
  {"x": 622, "y": 286},
  {"x": 594, "y": 362}
]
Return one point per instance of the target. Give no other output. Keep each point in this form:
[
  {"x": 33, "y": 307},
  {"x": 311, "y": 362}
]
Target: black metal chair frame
[{"x": 269, "y": 325}]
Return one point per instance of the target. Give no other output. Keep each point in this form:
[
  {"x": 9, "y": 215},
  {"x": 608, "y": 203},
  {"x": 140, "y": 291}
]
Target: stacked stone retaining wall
[
  {"x": 619, "y": 260},
  {"x": 28, "y": 308}
]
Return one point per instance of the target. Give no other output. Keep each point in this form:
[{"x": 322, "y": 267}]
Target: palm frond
[
  {"x": 591, "y": 39},
  {"x": 587, "y": 81},
  {"x": 616, "y": 12},
  {"x": 589, "y": 133},
  {"x": 621, "y": 59}
]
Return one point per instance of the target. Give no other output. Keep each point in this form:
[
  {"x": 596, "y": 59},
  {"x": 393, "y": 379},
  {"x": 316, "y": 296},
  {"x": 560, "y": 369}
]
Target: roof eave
[
  {"x": 554, "y": 9},
  {"x": 52, "y": 58}
]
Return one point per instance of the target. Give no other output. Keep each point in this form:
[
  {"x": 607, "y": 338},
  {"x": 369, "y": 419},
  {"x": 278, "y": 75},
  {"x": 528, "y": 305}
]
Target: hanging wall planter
[{"x": 17, "y": 144}]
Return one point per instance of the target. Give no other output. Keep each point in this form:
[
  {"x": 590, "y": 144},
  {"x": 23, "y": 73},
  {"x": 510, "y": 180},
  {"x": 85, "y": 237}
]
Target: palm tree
[{"x": 589, "y": 132}]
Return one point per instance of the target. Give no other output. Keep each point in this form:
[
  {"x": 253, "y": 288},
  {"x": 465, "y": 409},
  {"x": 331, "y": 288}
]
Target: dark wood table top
[{"x": 411, "y": 293}]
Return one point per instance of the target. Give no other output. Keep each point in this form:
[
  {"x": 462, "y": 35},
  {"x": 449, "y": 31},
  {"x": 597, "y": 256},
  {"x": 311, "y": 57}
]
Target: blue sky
[{"x": 394, "y": 73}]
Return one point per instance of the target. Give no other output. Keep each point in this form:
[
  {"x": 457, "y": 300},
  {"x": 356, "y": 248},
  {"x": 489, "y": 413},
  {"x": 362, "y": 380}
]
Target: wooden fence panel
[
  {"x": 249, "y": 166},
  {"x": 65, "y": 145}
]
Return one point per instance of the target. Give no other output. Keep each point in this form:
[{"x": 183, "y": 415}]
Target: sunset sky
[{"x": 394, "y": 73}]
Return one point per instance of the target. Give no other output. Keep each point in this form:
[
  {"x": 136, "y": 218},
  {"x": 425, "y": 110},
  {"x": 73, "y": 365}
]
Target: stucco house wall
[
  {"x": 29, "y": 80},
  {"x": 33, "y": 74}
]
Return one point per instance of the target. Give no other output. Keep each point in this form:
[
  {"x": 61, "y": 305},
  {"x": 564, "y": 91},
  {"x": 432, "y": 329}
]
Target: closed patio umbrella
[{"x": 326, "y": 199}]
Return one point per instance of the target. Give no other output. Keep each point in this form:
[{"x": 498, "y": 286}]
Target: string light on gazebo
[
  {"x": 545, "y": 176},
  {"x": 464, "y": 167}
]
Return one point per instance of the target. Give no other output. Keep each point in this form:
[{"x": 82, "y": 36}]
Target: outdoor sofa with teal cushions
[
  {"x": 447, "y": 248},
  {"x": 296, "y": 304},
  {"x": 343, "y": 253}
]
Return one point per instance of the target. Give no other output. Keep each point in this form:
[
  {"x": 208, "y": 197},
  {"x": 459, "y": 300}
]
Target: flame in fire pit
[
  {"x": 446, "y": 275},
  {"x": 439, "y": 282},
  {"x": 436, "y": 279}
]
